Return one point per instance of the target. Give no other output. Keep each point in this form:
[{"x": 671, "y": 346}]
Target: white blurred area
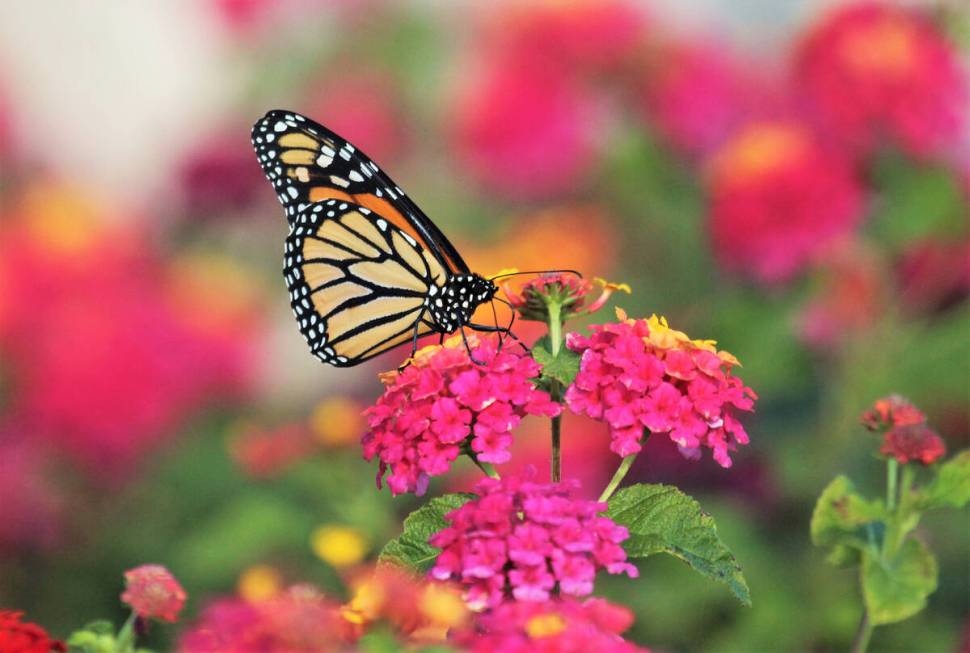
[{"x": 106, "y": 92}]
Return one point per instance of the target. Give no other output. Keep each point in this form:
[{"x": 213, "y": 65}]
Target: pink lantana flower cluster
[
  {"x": 561, "y": 626},
  {"x": 523, "y": 540},
  {"x": 443, "y": 404},
  {"x": 641, "y": 374}
]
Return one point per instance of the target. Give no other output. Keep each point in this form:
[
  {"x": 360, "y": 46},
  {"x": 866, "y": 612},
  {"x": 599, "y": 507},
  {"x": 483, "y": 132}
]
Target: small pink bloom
[
  {"x": 687, "y": 391},
  {"x": 153, "y": 593},
  {"x": 442, "y": 400},
  {"x": 522, "y": 540}
]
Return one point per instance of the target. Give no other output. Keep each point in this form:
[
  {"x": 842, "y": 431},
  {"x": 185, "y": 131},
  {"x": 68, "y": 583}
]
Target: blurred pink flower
[
  {"x": 641, "y": 375},
  {"x": 696, "y": 94},
  {"x": 219, "y": 175},
  {"x": 522, "y": 540},
  {"x": 110, "y": 349},
  {"x": 875, "y": 69},
  {"x": 364, "y": 106},
  {"x": 561, "y": 625},
  {"x": 779, "y": 199},
  {"x": 299, "y": 619},
  {"x": 31, "y": 509},
  {"x": 443, "y": 402},
  {"x": 526, "y": 130},
  {"x": 153, "y": 593},
  {"x": 891, "y": 412}
]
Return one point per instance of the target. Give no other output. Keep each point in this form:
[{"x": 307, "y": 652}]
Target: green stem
[
  {"x": 555, "y": 344},
  {"x": 892, "y": 473},
  {"x": 126, "y": 636},
  {"x": 618, "y": 477},
  {"x": 486, "y": 468},
  {"x": 863, "y": 634}
]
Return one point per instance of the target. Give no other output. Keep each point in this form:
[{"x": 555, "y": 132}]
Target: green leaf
[
  {"x": 951, "y": 486},
  {"x": 897, "y": 589},
  {"x": 662, "y": 519},
  {"x": 844, "y": 518},
  {"x": 563, "y": 367},
  {"x": 411, "y": 549}
]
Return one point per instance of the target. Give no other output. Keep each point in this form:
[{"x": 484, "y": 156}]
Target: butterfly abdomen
[{"x": 452, "y": 305}]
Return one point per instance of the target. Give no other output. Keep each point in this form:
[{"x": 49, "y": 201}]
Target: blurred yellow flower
[
  {"x": 339, "y": 546},
  {"x": 545, "y": 625},
  {"x": 367, "y": 601},
  {"x": 62, "y": 217},
  {"x": 212, "y": 291},
  {"x": 337, "y": 422},
  {"x": 443, "y": 606},
  {"x": 259, "y": 583},
  {"x": 758, "y": 149}
]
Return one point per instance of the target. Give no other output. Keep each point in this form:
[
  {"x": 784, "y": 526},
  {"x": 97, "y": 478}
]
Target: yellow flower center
[
  {"x": 759, "y": 149},
  {"x": 886, "y": 48},
  {"x": 443, "y": 606},
  {"x": 340, "y": 546},
  {"x": 545, "y": 625},
  {"x": 62, "y": 218}
]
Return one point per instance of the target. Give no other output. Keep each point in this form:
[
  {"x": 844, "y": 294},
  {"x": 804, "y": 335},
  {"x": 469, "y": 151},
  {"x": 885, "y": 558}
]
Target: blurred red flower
[
  {"x": 299, "y": 619},
  {"x": 778, "y": 199},
  {"x": 913, "y": 442},
  {"x": 265, "y": 453},
  {"x": 110, "y": 349},
  {"x": 364, "y": 106},
  {"x": 933, "y": 274},
  {"x": 696, "y": 94},
  {"x": 890, "y": 412},
  {"x": 219, "y": 175},
  {"x": 850, "y": 298},
  {"x": 584, "y": 35},
  {"x": 153, "y": 593},
  {"x": 17, "y": 636},
  {"x": 30, "y": 511},
  {"x": 874, "y": 69},
  {"x": 524, "y": 129}
]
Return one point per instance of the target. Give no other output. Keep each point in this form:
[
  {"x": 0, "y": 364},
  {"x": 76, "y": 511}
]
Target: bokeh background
[{"x": 790, "y": 178}]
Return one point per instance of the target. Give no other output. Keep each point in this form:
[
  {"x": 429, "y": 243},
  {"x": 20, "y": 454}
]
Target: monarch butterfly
[{"x": 366, "y": 269}]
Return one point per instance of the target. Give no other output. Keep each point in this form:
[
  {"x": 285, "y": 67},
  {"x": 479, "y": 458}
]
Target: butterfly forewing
[
  {"x": 308, "y": 163},
  {"x": 358, "y": 285}
]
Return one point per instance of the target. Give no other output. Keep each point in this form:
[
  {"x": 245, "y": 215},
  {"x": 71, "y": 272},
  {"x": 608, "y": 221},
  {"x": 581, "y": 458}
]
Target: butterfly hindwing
[
  {"x": 358, "y": 285},
  {"x": 308, "y": 163}
]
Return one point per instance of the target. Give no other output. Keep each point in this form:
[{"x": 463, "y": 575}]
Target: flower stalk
[
  {"x": 554, "y": 311},
  {"x": 618, "y": 477}
]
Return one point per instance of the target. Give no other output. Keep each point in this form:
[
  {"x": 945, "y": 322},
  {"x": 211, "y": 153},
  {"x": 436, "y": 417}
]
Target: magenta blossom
[
  {"x": 443, "y": 404},
  {"x": 522, "y": 540},
  {"x": 641, "y": 375}
]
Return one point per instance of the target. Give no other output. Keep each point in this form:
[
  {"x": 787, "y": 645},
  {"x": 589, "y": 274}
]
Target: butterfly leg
[
  {"x": 487, "y": 328},
  {"x": 468, "y": 348},
  {"x": 414, "y": 346}
]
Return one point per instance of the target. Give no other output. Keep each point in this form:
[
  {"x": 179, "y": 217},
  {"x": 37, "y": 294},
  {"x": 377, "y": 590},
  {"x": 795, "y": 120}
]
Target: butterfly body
[{"x": 365, "y": 268}]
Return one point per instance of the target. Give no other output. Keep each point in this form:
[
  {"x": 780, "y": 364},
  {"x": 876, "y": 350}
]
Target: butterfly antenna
[{"x": 513, "y": 274}]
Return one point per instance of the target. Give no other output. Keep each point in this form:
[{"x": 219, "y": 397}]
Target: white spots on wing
[
  {"x": 339, "y": 181},
  {"x": 382, "y": 224},
  {"x": 355, "y": 176},
  {"x": 325, "y": 159},
  {"x": 292, "y": 191},
  {"x": 279, "y": 126},
  {"x": 345, "y": 153},
  {"x": 408, "y": 238},
  {"x": 302, "y": 174}
]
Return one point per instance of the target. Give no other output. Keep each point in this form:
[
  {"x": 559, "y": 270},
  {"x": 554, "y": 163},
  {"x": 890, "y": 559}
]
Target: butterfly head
[{"x": 452, "y": 304}]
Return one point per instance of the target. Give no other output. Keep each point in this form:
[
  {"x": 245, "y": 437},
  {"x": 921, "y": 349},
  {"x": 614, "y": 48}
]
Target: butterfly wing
[
  {"x": 358, "y": 284},
  {"x": 307, "y": 163}
]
